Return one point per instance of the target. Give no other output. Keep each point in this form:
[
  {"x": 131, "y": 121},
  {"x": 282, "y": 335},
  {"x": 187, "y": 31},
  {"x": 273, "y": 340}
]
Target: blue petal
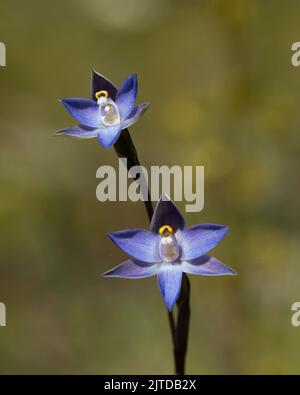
[
  {"x": 99, "y": 83},
  {"x": 134, "y": 115},
  {"x": 109, "y": 135},
  {"x": 206, "y": 266},
  {"x": 126, "y": 96},
  {"x": 199, "y": 239},
  {"x": 138, "y": 243},
  {"x": 79, "y": 132},
  {"x": 132, "y": 268},
  {"x": 85, "y": 111},
  {"x": 169, "y": 281},
  {"x": 166, "y": 213}
]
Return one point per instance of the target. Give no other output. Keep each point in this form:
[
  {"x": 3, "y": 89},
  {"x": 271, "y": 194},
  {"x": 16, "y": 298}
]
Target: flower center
[
  {"x": 109, "y": 114},
  {"x": 168, "y": 245},
  {"x": 108, "y": 110}
]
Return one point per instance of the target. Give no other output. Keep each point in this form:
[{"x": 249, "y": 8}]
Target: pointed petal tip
[
  {"x": 106, "y": 273},
  {"x": 133, "y": 76},
  {"x": 229, "y": 271},
  {"x": 106, "y": 146},
  {"x": 233, "y": 272},
  {"x": 113, "y": 235},
  {"x": 145, "y": 106},
  {"x": 95, "y": 72},
  {"x": 226, "y": 229},
  {"x": 109, "y": 274},
  {"x": 60, "y": 132},
  {"x": 170, "y": 305},
  {"x": 165, "y": 197}
]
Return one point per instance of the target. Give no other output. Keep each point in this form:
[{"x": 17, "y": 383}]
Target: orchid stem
[
  {"x": 125, "y": 148},
  {"x": 172, "y": 325},
  {"x": 182, "y": 328}
]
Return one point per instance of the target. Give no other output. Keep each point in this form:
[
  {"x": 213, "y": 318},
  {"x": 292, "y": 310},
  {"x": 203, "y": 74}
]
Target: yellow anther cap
[
  {"x": 166, "y": 229},
  {"x": 101, "y": 94}
]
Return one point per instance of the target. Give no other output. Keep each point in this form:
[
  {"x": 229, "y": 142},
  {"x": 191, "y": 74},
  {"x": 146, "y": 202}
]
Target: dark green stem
[
  {"x": 182, "y": 328},
  {"x": 125, "y": 148}
]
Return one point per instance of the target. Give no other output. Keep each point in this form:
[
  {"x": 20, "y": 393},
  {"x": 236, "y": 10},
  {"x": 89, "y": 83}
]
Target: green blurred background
[{"x": 224, "y": 95}]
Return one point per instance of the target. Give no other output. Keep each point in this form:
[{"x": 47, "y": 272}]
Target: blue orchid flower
[
  {"x": 110, "y": 111},
  {"x": 168, "y": 250}
]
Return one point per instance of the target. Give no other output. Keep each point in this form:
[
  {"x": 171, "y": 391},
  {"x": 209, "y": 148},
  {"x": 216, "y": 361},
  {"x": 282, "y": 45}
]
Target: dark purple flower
[
  {"x": 168, "y": 250},
  {"x": 110, "y": 111}
]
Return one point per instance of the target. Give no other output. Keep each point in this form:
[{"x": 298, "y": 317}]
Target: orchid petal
[
  {"x": 100, "y": 83},
  {"x": 126, "y": 96},
  {"x": 138, "y": 243},
  {"x": 199, "y": 239},
  {"x": 169, "y": 281},
  {"x": 206, "y": 266},
  {"x": 133, "y": 268},
  {"x": 166, "y": 213},
  {"x": 109, "y": 135},
  {"x": 78, "y": 131},
  {"x": 85, "y": 111},
  {"x": 134, "y": 115}
]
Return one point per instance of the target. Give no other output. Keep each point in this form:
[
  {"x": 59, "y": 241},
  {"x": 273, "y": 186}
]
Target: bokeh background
[{"x": 224, "y": 95}]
